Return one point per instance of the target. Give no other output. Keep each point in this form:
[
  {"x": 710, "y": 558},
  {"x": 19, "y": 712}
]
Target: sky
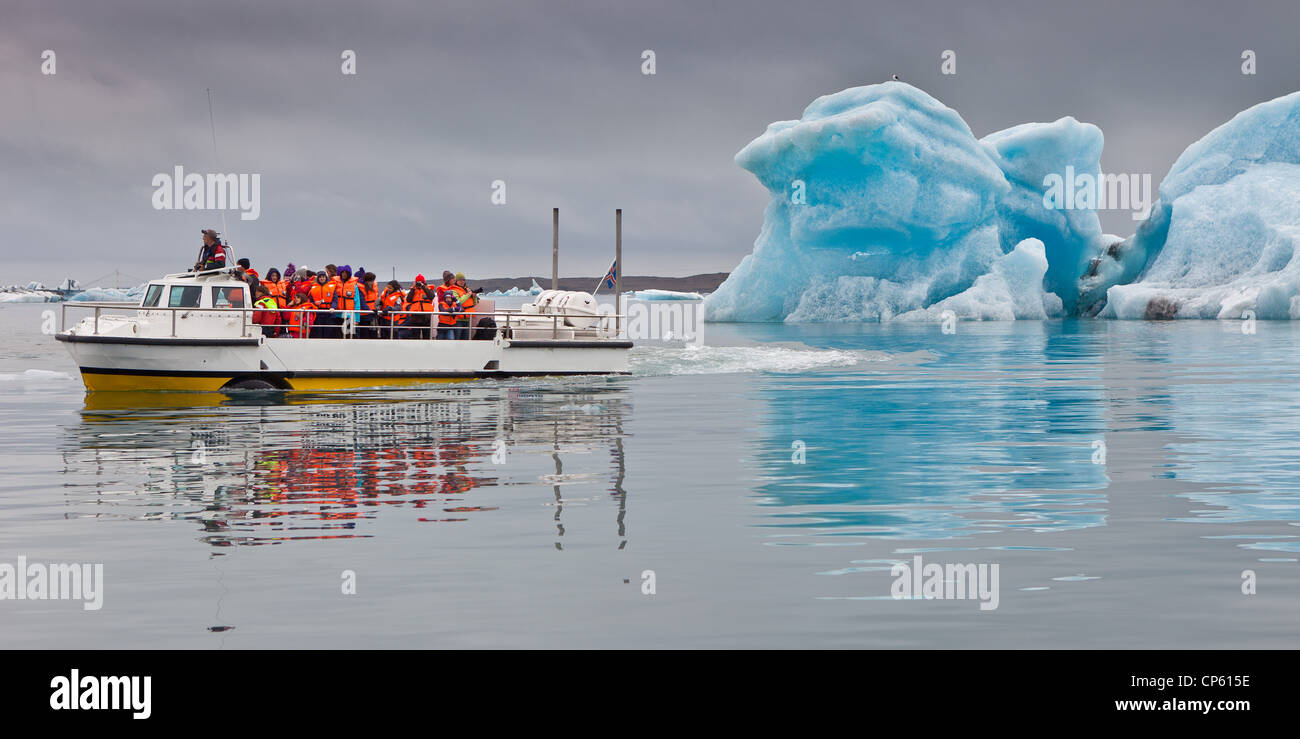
[{"x": 393, "y": 167}]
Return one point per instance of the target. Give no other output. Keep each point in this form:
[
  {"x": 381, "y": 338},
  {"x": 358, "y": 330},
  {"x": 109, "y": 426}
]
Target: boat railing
[{"x": 384, "y": 323}]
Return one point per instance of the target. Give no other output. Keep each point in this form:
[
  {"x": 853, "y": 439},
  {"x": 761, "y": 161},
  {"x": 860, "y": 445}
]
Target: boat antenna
[{"x": 216, "y": 163}]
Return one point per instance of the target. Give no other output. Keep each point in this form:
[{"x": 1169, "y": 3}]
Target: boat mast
[
  {"x": 555, "y": 248},
  {"x": 216, "y": 163}
]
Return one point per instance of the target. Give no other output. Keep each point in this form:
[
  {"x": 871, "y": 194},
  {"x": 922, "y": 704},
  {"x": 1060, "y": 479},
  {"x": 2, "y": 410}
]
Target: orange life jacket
[
  {"x": 418, "y": 301},
  {"x": 277, "y": 291},
  {"x": 322, "y": 296},
  {"x": 447, "y": 306},
  {"x": 299, "y": 320},
  {"x": 466, "y": 303},
  {"x": 393, "y": 300},
  {"x": 367, "y": 299},
  {"x": 347, "y": 294}
]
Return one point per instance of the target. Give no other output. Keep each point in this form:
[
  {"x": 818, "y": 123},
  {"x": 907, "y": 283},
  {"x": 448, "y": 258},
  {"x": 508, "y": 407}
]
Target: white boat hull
[{"x": 131, "y": 363}]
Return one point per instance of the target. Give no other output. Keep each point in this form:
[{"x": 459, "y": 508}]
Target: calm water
[{"x": 524, "y": 513}]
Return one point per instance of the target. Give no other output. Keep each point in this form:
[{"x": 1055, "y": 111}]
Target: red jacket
[{"x": 266, "y": 317}]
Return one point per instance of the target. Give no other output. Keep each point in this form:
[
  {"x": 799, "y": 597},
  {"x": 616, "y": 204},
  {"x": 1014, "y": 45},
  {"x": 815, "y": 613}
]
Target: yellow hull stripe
[{"x": 97, "y": 382}]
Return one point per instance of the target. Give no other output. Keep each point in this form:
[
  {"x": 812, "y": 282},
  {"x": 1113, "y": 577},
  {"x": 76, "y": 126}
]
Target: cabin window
[
  {"x": 184, "y": 296},
  {"x": 152, "y": 296},
  {"x": 227, "y": 297}
]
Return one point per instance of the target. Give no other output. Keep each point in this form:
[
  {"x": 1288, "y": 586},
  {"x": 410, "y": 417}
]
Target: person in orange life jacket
[
  {"x": 419, "y": 300},
  {"x": 392, "y": 299},
  {"x": 248, "y": 268},
  {"x": 448, "y": 307},
  {"x": 299, "y": 321},
  {"x": 275, "y": 287},
  {"x": 448, "y": 279},
  {"x": 266, "y": 315},
  {"x": 346, "y": 295},
  {"x": 322, "y": 296},
  {"x": 467, "y": 299},
  {"x": 249, "y": 279},
  {"x": 213, "y": 255},
  {"x": 367, "y": 304}
]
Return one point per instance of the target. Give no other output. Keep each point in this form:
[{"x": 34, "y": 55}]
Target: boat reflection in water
[{"x": 265, "y": 467}]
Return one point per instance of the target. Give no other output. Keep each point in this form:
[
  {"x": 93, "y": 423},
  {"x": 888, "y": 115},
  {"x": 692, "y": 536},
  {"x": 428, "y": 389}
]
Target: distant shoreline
[{"x": 702, "y": 283}]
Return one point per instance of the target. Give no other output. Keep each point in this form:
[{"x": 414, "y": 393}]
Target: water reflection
[
  {"x": 996, "y": 434},
  {"x": 258, "y": 468},
  {"x": 1015, "y": 428}
]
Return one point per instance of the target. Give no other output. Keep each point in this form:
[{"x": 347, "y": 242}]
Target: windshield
[
  {"x": 152, "y": 297},
  {"x": 184, "y": 296}
]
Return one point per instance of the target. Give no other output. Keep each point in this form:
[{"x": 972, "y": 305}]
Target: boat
[{"x": 193, "y": 331}]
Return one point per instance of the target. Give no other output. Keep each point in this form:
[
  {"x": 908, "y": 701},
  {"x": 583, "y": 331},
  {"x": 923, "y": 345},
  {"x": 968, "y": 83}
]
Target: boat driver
[{"x": 213, "y": 254}]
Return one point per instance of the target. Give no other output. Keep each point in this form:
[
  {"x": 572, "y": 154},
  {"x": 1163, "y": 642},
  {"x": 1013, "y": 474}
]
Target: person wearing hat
[
  {"x": 419, "y": 301},
  {"x": 345, "y": 287},
  {"x": 447, "y": 280},
  {"x": 448, "y": 308},
  {"x": 248, "y": 268},
  {"x": 466, "y": 299},
  {"x": 213, "y": 253},
  {"x": 275, "y": 287}
]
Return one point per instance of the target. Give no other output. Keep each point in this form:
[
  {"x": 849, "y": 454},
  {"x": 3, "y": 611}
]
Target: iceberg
[
  {"x": 24, "y": 296},
  {"x": 515, "y": 292},
  {"x": 1028, "y": 155},
  {"x": 657, "y": 294},
  {"x": 1221, "y": 238},
  {"x": 1012, "y": 290},
  {"x": 884, "y": 205},
  {"x": 109, "y": 294}
]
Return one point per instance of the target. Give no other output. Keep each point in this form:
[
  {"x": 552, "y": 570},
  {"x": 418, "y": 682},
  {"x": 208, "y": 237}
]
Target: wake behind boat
[{"x": 195, "y": 331}]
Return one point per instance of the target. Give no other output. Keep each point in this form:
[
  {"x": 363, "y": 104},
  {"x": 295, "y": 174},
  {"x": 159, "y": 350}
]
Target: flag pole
[{"x": 618, "y": 270}]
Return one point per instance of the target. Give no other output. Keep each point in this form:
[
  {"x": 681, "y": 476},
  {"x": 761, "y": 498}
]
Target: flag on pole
[{"x": 610, "y": 277}]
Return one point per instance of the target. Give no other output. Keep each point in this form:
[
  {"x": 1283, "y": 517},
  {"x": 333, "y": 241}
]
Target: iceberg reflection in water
[
  {"x": 1017, "y": 428},
  {"x": 996, "y": 434}
]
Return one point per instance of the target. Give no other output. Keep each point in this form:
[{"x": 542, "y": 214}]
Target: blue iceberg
[
  {"x": 884, "y": 204},
  {"x": 1029, "y": 155},
  {"x": 885, "y": 207},
  {"x": 1011, "y": 290},
  {"x": 1221, "y": 240}
]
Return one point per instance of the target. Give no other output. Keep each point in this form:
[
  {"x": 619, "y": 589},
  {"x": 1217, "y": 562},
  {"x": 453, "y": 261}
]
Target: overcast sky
[{"x": 394, "y": 166}]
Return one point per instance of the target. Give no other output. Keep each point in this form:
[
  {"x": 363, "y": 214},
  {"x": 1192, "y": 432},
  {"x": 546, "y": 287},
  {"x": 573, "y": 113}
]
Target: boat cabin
[{"x": 215, "y": 289}]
